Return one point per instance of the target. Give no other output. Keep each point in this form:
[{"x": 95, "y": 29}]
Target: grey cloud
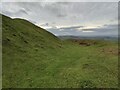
[
  {"x": 109, "y": 30},
  {"x": 34, "y": 22},
  {"x": 66, "y": 14},
  {"x": 111, "y": 26},
  {"x": 104, "y": 28},
  {"x": 45, "y": 24},
  {"x": 83, "y": 12},
  {"x": 60, "y": 1},
  {"x": 61, "y": 15},
  {"x": 22, "y": 11},
  {"x": 49, "y": 25},
  {"x": 72, "y": 27},
  {"x": 88, "y": 29}
]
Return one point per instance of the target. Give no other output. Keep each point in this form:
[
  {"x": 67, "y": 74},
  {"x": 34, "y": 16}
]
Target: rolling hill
[{"x": 35, "y": 58}]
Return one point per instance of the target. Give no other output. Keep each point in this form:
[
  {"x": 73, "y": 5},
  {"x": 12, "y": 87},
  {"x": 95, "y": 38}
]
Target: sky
[{"x": 68, "y": 18}]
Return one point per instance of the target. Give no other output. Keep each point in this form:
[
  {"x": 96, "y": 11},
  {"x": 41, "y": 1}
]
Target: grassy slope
[{"x": 32, "y": 57}]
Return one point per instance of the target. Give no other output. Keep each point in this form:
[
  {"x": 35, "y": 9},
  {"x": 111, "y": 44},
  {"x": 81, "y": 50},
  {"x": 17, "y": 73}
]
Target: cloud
[
  {"x": 22, "y": 11},
  {"x": 67, "y": 17},
  {"x": 108, "y": 30},
  {"x": 45, "y": 24},
  {"x": 71, "y": 27},
  {"x": 70, "y": 13},
  {"x": 87, "y": 31},
  {"x": 60, "y": 0},
  {"x": 61, "y": 15}
]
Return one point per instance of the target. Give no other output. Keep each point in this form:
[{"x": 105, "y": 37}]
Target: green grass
[{"x": 33, "y": 57}]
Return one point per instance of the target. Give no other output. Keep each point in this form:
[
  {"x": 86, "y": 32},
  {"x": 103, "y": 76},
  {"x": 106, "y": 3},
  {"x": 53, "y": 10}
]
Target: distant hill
[{"x": 109, "y": 38}]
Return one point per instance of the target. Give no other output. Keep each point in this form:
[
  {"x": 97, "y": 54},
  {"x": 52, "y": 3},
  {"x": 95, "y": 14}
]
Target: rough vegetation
[{"x": 33, "y": 57}]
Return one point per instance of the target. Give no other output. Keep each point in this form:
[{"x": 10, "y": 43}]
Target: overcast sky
[{"x": 68, "y": 18}]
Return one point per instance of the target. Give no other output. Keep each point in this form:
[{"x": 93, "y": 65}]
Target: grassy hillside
[{"x": 33, "y": 57}]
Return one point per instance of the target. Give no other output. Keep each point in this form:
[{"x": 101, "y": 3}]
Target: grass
[{"x": 33, "y": 58}]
